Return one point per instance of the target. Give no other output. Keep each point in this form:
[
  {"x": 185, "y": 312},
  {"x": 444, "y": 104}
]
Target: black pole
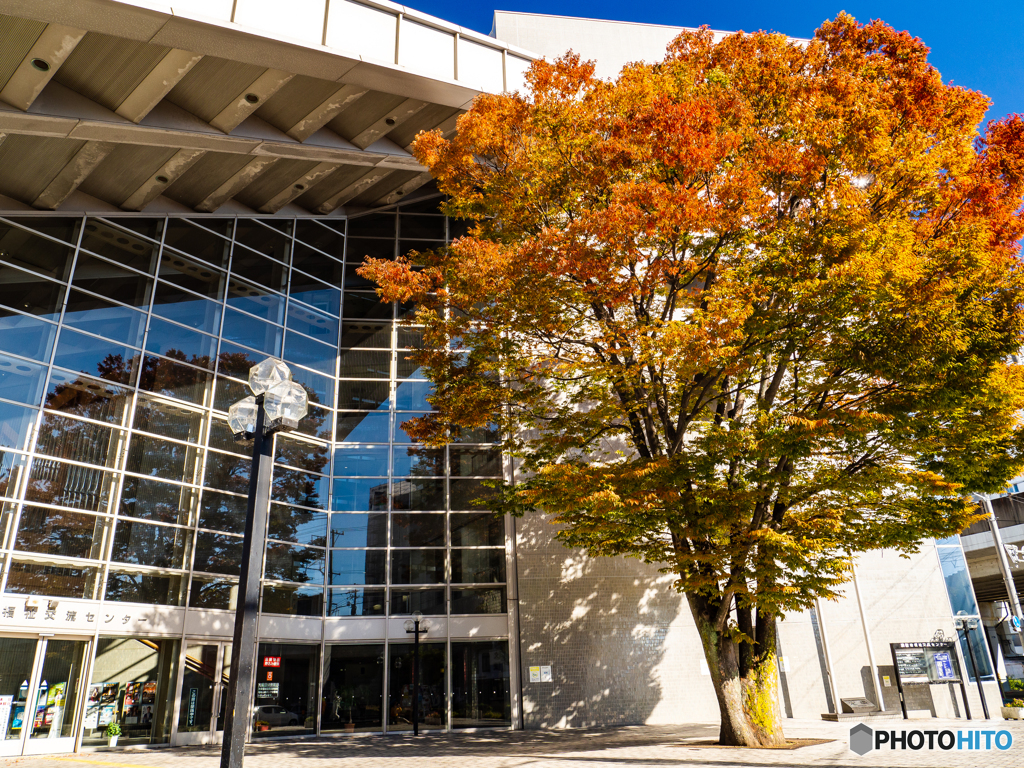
[
  {"x": 243, "y": 648},
  {"x": 977, "y": 672},
  {"x": 416, "y": 682},
  {"x": 899, "y": 680}
]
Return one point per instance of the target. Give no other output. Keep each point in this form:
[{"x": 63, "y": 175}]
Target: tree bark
[{"x": 747, "y": 698}]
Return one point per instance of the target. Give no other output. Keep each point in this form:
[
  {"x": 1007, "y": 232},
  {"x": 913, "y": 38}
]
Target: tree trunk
[{"x": 747, "y": 696}]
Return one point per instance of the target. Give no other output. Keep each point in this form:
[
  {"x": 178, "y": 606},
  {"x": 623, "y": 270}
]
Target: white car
[{"x": 275, "y": 715}]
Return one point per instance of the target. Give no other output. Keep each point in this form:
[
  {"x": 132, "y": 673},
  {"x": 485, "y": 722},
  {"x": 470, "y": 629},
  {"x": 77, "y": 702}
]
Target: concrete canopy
[{"x": 299, "y": 108}]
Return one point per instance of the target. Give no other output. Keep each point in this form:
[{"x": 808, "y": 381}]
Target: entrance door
[
  {"x": 204, "y": 679},
  {"x": 40, "y": 690}
]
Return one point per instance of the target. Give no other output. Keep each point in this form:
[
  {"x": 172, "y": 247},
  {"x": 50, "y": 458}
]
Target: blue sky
[{"x": 978, "y": 45}]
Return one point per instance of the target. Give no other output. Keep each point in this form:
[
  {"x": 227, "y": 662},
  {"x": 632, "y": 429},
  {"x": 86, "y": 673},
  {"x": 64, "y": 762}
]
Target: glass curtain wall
[
  {"x": 962, "y": 600},
  {"x": 123, "y": 341}
]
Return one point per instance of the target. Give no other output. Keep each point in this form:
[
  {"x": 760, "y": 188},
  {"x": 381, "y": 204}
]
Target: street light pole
[
  {"x": 277, "y": 405},
  {"x": 413, "y": 627},
  {"x": 967, "y": 625}
]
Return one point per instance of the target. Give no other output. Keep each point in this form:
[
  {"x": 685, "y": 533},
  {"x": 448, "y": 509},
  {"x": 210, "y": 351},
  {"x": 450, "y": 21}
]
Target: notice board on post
[{"x": 929, "y": 663}]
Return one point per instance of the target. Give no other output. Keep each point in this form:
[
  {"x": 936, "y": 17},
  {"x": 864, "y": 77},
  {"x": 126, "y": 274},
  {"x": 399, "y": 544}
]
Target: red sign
[
  {"x": 270, "y": 677},
  {"x": 271, "y": 661}
]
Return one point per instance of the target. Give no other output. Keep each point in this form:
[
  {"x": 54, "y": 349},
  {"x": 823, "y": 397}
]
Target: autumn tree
[{"x": 740, "y": 314}]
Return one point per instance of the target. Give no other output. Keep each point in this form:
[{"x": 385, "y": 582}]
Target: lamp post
[
  {"x": 416, "y": 626},
  {"x": 276, "y": 405},
  {"x": 961, "y": 621}
]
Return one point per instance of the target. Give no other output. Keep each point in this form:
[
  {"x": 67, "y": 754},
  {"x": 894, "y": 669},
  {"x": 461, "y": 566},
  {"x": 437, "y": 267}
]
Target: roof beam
[
  {"x": 298, "y": 187},
  {"x": 157, "y": 84},
  {"x": 412, "y": 184},
  {"x": 148, "y": 191},
  {"x": 354, "y": 189},
  {"x": 238, "y": 181},
  {"x": 326, "y": 111},
  {"x": 41, "y": 62},
  {"x": 261, "y": 89},
  {"x": 388, "y": 122},
  {"x": 73, "y": 174}
]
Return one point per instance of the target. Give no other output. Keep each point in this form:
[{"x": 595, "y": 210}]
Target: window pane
[
  {"x": 192, "y": 239},
  {"x": 312, "y": 354},
  {"x": 206, "y": 592},
  {"x": 364, "y": 305},
  {"x": 319, "y": 388},
  {"x": 15, "y": 423},
  {"x": 426, "y": 227},
  {"x": 417, "y": 566},
  {"x": 363, "y": 395},
  {"x": 168, "y": 420},
  {"x": 77, "y": 395},
  {"x": 222, "y": 512},
  {"x": 69, "y": 485},
  {"x": 418, "y": 461},
  {"x": 407, "y": 368},
  {"x": 314, "y": 293},
  {"x": 26, "y": 336},
  {"x": 981, "y": 654},
  {"x": 58, "y": 227},
  {"x": 488, "y": 434},
  {"x": 417, "y": 494},
  {"x": 256, "y": 301},
  {"x": 30, "y": 293},
  {"x": 405, "y": 602},
  {"x": 361, "y": 460},
  {"x": 433, "y": 699},
  {"x": 148, "y": 228},
  {"x": 418, "y": 530},
  {"x": 65, "y": 438},
  {"x": 478, "y": 566},
  {"x": 105, "y": 279},
  {"x": 174, "y": 341},
  {"x": 316, "y": 324},
  {"x": 251, "y": 332},
  {"x": 359, "y": 530},
  {"x": 222, "y": 439},
  {"x": 293, "y": 600},
  {"x": 227, "y": 472},
  {"x": 356, "y": 602},
  {"x": 67, "y": 534},
  {"x": 470, "y": 494},
  {"x": 481, "y": 685},
  {"x": 362, "y": 364},
  {"x": 158, "y": 545},
  {"x": 52, "y": 580},
  {"x": 179, "y": 381},
  {"x": 363, "y": 427},
  {"x": 357, "y": 566},
  {"x": 11, "y": 467},
  {"x": 300, "y": 488},
  {"x": 468, "y": 462},
  {"x": 288, "y": 562},
  {"x": 229, "y": 392},
  {"x": 477, "y": 530},
  {"x": 36, "y": 253},
  {"x": 186, "y": 308},
  {"x": 318, "y": 421},
  {"x": 259, "y": 269},
  {"x": 263, "y": 239},
  {"x": 150, "y": 499},
  {"x": 218, "y": 553},
  {"x": 87, "y": 354},
  {"x": 401, "y": 436},
  {"x": 359, "y": 495},
  {"x": 372, "y": 225},
  {"x": 319, "y": 236},
  {"x": 192, "y": 275},
  {"x": 472, "y": 601},
  {"x": 119, "y": 246},
  {"x": 312, "y": 457},
  {"x": 958, "y": 581},
  {"x": 302, "y": 526},
  {"x": 149, "y": 455},
  {"x": 147, "y": 588},
  {"x": 412, "y": 395},
  {"x": 355, "y": 335}
]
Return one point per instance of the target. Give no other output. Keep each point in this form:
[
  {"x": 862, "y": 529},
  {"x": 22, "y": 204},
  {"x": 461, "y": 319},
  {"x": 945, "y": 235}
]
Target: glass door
[
  {"x": 17, "y": 659},
  {"x": 204, "y": 679},
  {"x": 48, "y": 719}
]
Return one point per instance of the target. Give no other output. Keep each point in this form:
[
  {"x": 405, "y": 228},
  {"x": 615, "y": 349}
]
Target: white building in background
[{"x": 186, "y": 189}]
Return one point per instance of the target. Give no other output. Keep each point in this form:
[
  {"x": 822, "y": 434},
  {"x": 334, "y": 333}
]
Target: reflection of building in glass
[{"x": 208, "y": 209}]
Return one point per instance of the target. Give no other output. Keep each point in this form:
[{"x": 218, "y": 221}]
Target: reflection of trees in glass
[
  {"x": 91, "y": 399},
  {"x": 52, "y": 532},
  {"x": 291, "y": 563},
  {"x": 68, "y": 485}
]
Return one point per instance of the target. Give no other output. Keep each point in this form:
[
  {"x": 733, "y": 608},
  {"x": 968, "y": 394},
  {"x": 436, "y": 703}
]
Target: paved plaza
[{"x": 625, "y": 747}]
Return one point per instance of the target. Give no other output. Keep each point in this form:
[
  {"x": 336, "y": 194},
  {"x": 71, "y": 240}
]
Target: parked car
[{"x": 275, "y": 715}]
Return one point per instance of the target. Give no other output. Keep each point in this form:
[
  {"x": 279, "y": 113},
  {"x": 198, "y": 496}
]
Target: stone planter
[{"x": 1012, "y": 713}]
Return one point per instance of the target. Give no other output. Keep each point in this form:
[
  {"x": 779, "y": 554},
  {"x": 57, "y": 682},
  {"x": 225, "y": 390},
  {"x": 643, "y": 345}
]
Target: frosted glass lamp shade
[
  {"x": 242, "y": 417},
  {"x": 286, "y": 403},
  {"x": 263, "y": 376},
  {"x": 409, "y": 626}
]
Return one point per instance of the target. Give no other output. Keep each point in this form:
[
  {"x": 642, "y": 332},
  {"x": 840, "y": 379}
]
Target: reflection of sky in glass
[
  {"x": 363, "y": 427},
  {"x": 980, "y": 653},
  {"x": 412, "y": 395},
  {"x": 958, "y": 581},
  {"x": 358, "y": 495},
  {"x": 364, "y": 461},
  {"x": 365, "y": 530}
]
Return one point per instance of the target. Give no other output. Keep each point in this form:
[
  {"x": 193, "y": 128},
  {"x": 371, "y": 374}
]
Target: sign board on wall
[
  {"x": 271, "y": 661},
  {"x": 541, "y": 674}
]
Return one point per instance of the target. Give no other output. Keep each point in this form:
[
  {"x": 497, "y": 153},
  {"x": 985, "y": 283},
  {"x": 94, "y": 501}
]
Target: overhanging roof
[{"x": 298, "y": 107}]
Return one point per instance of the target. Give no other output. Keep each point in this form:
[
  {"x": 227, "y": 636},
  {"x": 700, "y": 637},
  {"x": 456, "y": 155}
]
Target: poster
[
  {"x": 943, "y": 665},
  {"x": 106, "y": 715},
  {"x": 534, "y": 674},
  {"x": 545, "y": 674},
  {"x": 912, "y": 666},
  {"x": 148, "y": 693},
  {"x": 109, "y": 693},
  {"x": 92, "y": 706},
  {"x": 267, "y": 691},
  {"x": 131, "y": 695},
  {"x": 6, "y": 704},
  {"x": 55, "y": 694}
]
